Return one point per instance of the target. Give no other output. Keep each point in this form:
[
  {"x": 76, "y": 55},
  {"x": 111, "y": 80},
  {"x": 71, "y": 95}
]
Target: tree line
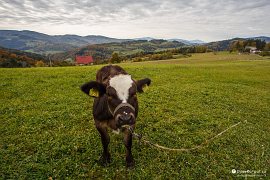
[
  {"x": 15, "y": 58},
  {"x": 160, "y": 55}
]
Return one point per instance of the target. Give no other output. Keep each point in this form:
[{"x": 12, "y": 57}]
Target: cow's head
[{"x": 120, "y": 93}]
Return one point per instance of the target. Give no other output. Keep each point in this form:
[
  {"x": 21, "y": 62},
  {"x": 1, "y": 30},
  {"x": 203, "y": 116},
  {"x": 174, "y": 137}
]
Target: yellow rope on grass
[{"x": 181, "y": 149}]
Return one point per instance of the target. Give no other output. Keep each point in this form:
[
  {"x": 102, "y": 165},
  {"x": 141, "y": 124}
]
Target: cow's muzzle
[
  {"x": 123, "y": 120},
  {"x": 124, "y": 114}
]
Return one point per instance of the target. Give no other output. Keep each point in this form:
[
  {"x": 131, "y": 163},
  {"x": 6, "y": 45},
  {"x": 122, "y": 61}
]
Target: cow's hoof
[{"x": 105, "y": 160}]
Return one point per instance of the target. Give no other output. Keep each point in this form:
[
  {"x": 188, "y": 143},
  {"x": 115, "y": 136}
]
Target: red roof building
[{"x": 84, "y": 59}]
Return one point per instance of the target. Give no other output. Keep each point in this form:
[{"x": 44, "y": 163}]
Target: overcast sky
[{"x": 207, "y": 20}]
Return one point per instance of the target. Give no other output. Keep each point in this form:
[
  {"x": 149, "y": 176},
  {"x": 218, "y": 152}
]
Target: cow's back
[{"x": 106, "y": 72}]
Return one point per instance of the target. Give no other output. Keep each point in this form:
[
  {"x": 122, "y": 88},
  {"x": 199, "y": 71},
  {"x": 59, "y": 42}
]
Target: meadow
[{"x": 47, "y": 130}]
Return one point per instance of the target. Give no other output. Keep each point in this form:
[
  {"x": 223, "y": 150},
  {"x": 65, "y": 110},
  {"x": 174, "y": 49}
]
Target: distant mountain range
[
  {"x": 187, "y": 42},
  {"x": 42, "y": 43},
  {"x": 36, "y": 42},
  {"x": 145, "y": 38},
  {"x": 263, "y": 38},
  {"x": 32, "y": 41}
]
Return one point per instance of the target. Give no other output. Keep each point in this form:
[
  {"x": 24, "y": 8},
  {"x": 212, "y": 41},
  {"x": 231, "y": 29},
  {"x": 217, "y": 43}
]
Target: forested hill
[
  {"x": 42, "y": 43},
  {"x": 224, "y": 45},
  {"x": 17, "y": 58}
]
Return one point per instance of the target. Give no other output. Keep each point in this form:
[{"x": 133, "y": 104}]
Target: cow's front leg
[
  {"x": 128, "y": 143},
  {"x": 105, "y": 139}
]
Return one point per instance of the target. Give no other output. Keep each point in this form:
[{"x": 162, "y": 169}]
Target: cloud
[{"x": 191, "y": 19}]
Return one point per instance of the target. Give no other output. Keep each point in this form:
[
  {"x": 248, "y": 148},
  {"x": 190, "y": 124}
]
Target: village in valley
[{"x": 50, "y": 53}]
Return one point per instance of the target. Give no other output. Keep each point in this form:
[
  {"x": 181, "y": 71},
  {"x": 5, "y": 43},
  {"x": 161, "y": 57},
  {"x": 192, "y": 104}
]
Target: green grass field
[{"x": 47, "y": 128}]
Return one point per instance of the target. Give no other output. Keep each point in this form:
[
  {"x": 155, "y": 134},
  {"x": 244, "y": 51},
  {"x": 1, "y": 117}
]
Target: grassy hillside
[
  {"x": 47, "y": 128},
  {"x": 101, "y": 52}
]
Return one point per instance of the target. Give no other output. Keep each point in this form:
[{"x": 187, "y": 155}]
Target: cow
[{"x": 115, "y": 106}]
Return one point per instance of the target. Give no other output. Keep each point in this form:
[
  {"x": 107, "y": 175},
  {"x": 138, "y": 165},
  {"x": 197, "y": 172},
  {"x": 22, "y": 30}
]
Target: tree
[
  {"x": 115, "y": 58},
  {"x": 200, "y": 49},
  {"x": 260, "y": 44},
  {"x": 40, "y": 64},
  {"x": 267, "y": 47}
]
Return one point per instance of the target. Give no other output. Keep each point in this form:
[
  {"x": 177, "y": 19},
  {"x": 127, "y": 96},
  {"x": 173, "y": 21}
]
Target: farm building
[
  {"x": 83, "y": 60},
  {"x": 252, "y": 49}
]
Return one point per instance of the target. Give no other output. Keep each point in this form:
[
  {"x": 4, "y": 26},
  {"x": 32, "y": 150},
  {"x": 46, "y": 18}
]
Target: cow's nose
[{"x": 125, "y": 118}]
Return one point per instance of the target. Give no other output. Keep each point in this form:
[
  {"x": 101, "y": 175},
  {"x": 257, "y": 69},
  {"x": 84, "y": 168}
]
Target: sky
[{"x": 207, "y": 20}]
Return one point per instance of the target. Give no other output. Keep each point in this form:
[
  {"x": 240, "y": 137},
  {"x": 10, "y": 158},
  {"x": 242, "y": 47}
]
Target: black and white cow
[{"x": 115, "y": 106}]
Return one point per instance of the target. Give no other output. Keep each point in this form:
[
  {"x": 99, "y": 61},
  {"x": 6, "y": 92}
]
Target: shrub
[
  {"x": 40, "y": 64},
  {"x": 264, "y": 53}
]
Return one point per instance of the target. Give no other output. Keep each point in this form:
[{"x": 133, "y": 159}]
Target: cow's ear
[
  {"x": 93, "y": 89},
  {"x": 143, "y": 84}
]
